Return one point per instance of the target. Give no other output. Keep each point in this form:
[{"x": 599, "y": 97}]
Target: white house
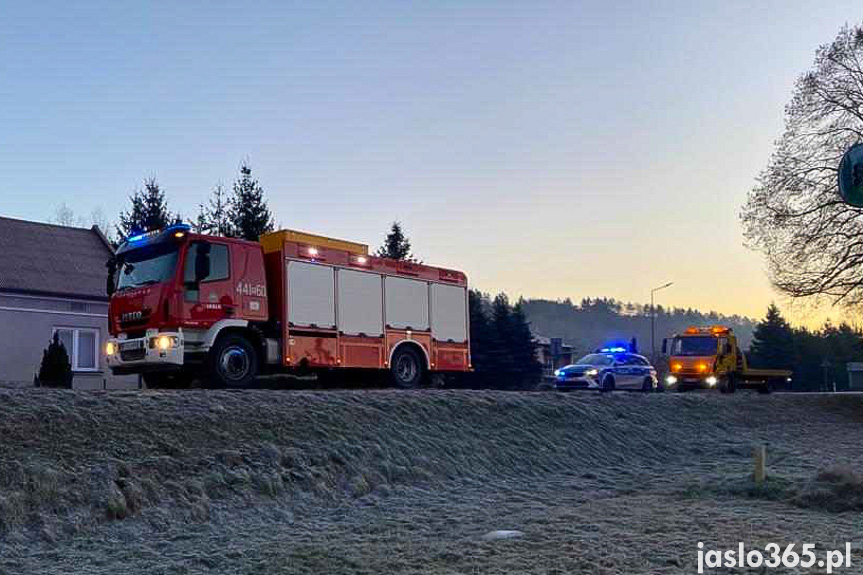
[{"x": 52, "y": 278}]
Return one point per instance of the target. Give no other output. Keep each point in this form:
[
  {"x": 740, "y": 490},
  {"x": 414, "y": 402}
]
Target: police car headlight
[
  {"x": 557, "y": 373},
  {"x": 591, "y": 372},
  {"x": 670, "y": 380}
]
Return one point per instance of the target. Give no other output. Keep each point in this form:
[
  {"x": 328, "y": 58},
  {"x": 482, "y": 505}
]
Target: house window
[{"x": 82, "y": 345}]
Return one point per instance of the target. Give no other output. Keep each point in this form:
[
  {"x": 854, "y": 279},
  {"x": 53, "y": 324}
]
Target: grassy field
[{"x": 375, "y": 481}]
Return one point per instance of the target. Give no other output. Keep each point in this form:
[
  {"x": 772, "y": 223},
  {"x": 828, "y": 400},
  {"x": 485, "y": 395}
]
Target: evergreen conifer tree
[
  {"x": 773, "y": 342},
  {"x": 396, "y": 245},
  {"x": 149, "y": 211},
  {"x": 247, "y": 213},
  {"x": 55, "y": 369}
]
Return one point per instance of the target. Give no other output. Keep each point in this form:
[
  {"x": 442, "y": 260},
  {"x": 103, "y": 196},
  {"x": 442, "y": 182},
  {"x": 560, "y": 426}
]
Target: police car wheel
[
  {"x": 647, "y": 385},
  {"x": 608, "y": 383}
]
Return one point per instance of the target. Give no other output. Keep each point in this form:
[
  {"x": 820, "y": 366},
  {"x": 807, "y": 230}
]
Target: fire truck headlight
[
  {"x": 110, "y": 348},
  {"x": 711, "y": 380},
  {"x": 163, "y": 342},
  {"x": 670, "y": 380}
]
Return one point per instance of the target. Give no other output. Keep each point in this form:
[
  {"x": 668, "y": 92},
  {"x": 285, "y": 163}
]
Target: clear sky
[{"x": 549, "y": 149}]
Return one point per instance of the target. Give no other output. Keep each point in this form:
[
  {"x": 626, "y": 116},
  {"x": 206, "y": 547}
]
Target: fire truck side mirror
[
  {"x": 665, "y": 346},
  {"x": 727, "y": 349},
  {"x": 202, "y": 262}
]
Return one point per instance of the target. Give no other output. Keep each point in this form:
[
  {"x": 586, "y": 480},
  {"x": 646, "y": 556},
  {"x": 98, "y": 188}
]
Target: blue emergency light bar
[
  {"x": 151, "y": 233},
  {"x": 175, "y": 230},
  {"x": 619, "y": 346}
]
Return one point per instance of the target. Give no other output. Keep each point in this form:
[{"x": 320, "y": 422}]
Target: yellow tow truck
[{"x": 709, "y": 357}]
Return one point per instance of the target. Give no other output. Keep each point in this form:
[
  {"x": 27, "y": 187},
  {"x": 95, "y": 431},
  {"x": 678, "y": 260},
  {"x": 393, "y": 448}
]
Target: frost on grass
[
  {"x": 835, "y": 489},
  {"x": 392, "y": 481}
]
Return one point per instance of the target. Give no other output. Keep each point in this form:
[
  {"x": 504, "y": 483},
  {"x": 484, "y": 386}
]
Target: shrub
[{"x": 56, "y": 370}]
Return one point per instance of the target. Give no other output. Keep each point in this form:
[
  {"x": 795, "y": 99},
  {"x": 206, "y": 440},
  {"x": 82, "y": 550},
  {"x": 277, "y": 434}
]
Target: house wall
[
  {"x": 551, "y": 362},
  {"x": 26, "y": 326}
]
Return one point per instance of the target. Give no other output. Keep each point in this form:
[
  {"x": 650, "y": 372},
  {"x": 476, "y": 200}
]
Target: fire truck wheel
[
  {"x": 407, "y": 368},
  {"x": 233, "y": 362}
]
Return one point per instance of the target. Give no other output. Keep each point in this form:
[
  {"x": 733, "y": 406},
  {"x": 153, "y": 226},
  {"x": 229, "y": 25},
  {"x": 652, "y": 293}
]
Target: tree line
[
  {"x": 817, "y": 357},
  {"x": 594, "y": 321},
  {"x": 241, "y": 213},
  {"x": 503, "y": 350}
]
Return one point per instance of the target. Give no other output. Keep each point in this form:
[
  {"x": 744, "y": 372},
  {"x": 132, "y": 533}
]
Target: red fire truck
[{"x": 185, "y": 305}]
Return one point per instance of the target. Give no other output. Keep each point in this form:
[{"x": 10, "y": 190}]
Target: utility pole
[{"x": 653, "y": 321}]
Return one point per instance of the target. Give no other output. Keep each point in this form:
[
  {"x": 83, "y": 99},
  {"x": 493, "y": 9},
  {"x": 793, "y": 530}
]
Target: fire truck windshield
[
  {"x": 149, "y": 265},
  {"x": 699, "y": 345}
]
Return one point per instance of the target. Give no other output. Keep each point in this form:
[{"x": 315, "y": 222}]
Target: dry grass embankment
[{"x": 71, "y": 462}]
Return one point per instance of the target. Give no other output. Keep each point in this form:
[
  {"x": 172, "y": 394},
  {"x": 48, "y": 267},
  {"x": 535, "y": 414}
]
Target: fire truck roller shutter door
[
  {"x": 360, "y": 305},
  {"x": 407, "y": 303},
  {"x": 311, "y": 293},
  {"x": 448, "y": 321}
]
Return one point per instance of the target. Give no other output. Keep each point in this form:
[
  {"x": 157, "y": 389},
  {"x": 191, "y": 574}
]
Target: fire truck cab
[{"x": 185, "y": 304}]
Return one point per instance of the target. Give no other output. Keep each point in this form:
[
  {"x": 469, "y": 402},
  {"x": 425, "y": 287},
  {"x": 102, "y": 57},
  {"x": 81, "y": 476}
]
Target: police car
[{"x": 608, "y": 369}]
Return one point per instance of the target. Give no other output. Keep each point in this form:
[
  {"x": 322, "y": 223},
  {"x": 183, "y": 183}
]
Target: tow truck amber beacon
[{"x": 186, "y": 305}]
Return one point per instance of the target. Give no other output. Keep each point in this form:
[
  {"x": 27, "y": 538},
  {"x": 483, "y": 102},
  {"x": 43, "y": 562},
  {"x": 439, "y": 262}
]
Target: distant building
[
  {"x": 855, "y": 376},
  {"x": 552, "y": 353},
  {"x": 52, "y": 279}
]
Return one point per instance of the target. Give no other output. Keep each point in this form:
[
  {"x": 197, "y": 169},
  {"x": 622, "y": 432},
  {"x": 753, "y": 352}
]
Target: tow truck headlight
[
  {"x": 711, "y": 380},
  {"x": 110, "y": 348},
  {"x": 592, "y": 372},
  {"x": 163, "y": 342},
  {"x": 670, "y": 380}
]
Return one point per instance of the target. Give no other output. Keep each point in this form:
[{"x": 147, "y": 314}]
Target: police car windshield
[
  {"x": 595, "y": 359},
  {"x": 684, "y": 346},
  {"x": 150, "y": 265}
]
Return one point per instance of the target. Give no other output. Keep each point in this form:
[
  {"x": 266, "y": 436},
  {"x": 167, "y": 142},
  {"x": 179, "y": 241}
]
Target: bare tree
[
  {"x": 812, "y": 240},
  {"x": 65, "y": 216},
  {"x": 217, "y": 214}
]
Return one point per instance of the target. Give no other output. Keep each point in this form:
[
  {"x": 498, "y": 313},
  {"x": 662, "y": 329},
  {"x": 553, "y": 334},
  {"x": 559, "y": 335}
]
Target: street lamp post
[{"x": 653, "y": 321}]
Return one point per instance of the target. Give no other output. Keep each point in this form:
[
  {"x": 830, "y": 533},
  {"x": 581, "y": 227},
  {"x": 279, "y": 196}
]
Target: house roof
[
  {"x": 47, "y": 259},
  {"x": 546, "y": 341}
]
